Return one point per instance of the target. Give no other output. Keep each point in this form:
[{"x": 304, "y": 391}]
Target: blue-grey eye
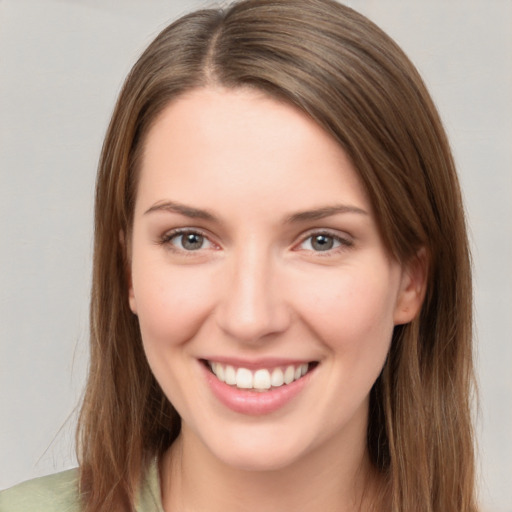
[
  {"x": 190, "y": 241},
  {"x": 320, "y": 242}
]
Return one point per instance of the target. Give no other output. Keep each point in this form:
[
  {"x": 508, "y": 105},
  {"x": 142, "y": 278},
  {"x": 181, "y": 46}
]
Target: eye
[
  {"x": 188, "y": 240},
  {"x": 322, "y": 242}
]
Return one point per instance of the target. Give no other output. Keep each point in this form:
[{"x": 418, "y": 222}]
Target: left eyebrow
[{"x": 321, "y": 213}]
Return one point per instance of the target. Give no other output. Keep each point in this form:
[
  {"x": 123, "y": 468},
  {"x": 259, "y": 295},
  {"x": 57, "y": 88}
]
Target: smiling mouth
[{"x": 261, "y": 379}]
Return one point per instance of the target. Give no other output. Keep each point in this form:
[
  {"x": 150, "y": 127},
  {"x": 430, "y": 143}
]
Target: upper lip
[{"x": 254, "y": 364}]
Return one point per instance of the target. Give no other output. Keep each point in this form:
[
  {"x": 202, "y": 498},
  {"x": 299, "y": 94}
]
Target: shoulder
[{"x": 53, "y": 493}]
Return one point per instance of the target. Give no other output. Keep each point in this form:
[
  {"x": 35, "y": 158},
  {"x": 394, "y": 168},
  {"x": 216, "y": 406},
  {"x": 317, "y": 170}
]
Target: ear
[
  {"x": 128, "y": 271},
  {"x": 131, "y": 297},
  {"x": 412, "y": 288}
]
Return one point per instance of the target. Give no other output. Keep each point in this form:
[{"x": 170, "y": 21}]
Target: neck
[{"x": 193, "y": 479}]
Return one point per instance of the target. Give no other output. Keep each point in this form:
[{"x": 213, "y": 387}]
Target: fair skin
[{"x": 254, "y": 247}]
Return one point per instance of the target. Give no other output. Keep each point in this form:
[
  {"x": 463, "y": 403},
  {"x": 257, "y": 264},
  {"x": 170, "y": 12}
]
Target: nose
[{"x": 253, "y": 306}]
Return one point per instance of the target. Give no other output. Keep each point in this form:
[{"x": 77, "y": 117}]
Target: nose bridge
[{"x": 253, "y": 305}]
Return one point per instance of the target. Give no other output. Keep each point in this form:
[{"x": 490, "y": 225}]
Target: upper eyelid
[
  {"x": 326, "y": 231},
  {"x": 168, "y": 235}
]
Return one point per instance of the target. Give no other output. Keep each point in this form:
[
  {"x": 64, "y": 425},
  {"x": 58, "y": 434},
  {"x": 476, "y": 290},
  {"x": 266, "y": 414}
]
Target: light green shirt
[{"x": 59, "y": 493}]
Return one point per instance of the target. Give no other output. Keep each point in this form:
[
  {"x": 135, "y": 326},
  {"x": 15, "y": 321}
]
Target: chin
[
  {"x": 260, "y": 450},
  {"x": 258, "y": 461}
]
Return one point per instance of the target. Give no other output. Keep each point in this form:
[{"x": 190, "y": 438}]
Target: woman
[{"x": 281, "y": 303}]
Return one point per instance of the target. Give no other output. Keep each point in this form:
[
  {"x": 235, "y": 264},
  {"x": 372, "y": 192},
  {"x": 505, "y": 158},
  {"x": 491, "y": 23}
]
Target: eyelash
[
  {"x": 343, "y": 243},
  {"x": 168, "y": 237}
]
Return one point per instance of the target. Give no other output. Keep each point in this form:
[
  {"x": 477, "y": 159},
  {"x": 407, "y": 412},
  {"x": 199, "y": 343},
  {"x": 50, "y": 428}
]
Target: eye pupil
[
  {"x": 192, "y": 241},
  {"x": 322, "y": 242}
]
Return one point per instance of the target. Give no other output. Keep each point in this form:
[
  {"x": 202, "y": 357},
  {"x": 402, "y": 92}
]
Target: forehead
[{"x": 214, "y": 144}]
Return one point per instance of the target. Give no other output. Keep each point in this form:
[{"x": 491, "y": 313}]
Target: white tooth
[
  {"x": 230, "y": 375},
  {"x": 304, "y": 369},
  {"x": 219, "y": 371},
  {"x": 289, "y": 374},
  {"x": 297, "y": 373},
  {"x": 244, "y": 378},
  {"x": 277, "y": 378},
  {"x": 261, "y": 379}
]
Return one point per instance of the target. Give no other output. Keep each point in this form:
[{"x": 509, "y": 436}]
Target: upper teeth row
[{"x": 260, "y": 379}]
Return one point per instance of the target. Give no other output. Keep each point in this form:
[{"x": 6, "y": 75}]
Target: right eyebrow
[{"x": 181, "y": 209}]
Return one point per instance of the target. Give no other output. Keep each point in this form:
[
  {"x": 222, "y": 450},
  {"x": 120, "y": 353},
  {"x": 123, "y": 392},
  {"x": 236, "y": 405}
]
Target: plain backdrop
[{"x": 61, "y": 66}]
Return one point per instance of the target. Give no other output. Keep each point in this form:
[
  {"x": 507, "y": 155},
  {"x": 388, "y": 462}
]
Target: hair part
[{"x": 353, "y": 80}]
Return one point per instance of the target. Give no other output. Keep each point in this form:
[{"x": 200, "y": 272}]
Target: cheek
[
  {"x": 352, "y": 310},
  {"x": 171, "y": 303}
]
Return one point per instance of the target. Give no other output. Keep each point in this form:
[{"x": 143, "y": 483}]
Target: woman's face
[{"x": 265, "y": 297}]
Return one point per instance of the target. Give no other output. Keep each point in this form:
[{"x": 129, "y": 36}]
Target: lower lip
[{"x": 254, "y": 403}]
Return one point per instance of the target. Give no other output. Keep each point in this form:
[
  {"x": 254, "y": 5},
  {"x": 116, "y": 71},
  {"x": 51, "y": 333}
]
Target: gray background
[{"x": 61, "y": 66}]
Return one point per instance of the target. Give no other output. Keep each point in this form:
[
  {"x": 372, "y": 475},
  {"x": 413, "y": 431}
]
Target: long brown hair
[{"x": 354, "y": 81}]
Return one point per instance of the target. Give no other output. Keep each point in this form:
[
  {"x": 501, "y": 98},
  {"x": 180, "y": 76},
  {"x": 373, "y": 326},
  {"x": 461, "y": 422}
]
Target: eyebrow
[
  {"x": 187, "y": 211},
  {"x": 304, "y": 216},
  {"x": 321, "y": 213}
]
